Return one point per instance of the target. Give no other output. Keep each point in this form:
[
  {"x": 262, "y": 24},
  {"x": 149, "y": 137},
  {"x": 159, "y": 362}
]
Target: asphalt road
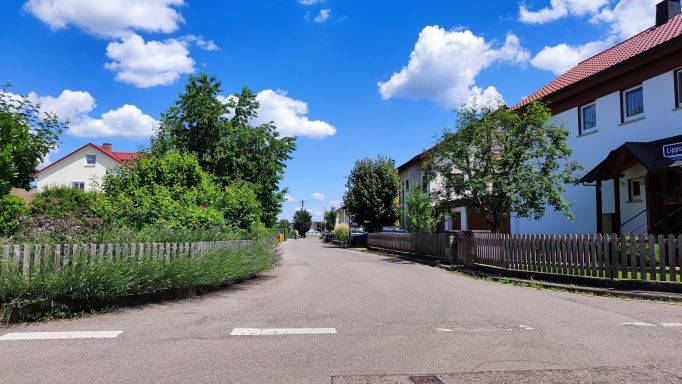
[{"x": 393, "y": 320}]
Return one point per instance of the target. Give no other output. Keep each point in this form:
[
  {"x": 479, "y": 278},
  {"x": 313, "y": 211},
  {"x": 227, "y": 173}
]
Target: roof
[
  {"x": 628, "y": 49},
  {"x": 415, "y": 159},
  {"x": 648, "y": 154},
  {"x": 122, "y": 158}
]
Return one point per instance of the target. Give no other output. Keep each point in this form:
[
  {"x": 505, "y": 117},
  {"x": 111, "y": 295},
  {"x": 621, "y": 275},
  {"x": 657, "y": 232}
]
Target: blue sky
[{"x": 350, "y": 78}]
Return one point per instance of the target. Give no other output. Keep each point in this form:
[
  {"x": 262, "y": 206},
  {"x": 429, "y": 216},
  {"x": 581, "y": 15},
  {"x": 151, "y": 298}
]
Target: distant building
[{"x": 82, "y": 168}]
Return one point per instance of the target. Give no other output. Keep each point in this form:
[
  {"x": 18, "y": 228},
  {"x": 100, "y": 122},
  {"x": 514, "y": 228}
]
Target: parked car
[{"x": 392, "y": 229}]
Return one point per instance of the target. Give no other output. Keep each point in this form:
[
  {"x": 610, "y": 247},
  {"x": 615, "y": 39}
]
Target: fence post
[{"x": 467, "y": 248}]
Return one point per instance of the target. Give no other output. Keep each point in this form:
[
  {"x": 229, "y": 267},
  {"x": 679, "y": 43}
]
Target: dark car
[{"x": 392, "y": 229}]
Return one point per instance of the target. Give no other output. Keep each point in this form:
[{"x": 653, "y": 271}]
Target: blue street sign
[{"x": 673, "y": 151}]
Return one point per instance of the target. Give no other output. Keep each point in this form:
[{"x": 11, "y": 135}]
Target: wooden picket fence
[
  {"x": 434, "y": 245},
  {"x": 632, "y": 257},
  {"x": 33, "y": 258}
]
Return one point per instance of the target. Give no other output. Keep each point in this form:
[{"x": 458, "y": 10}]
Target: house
[
  {"x": 82, "y": 168},
  {"x": 623, "y": 110},
  {"x": 342, "y": 217},
  {"x": 412, "y": 176}
]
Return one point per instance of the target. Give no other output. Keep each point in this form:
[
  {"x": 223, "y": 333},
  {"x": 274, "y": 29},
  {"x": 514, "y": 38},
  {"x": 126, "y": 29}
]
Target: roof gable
[
  {"x": 122, "y": 158},
  {"x": 626, "y": 50}
]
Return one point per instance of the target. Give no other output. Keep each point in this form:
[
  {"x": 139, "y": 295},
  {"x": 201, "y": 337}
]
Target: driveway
[{"x": 328, "y": 315}]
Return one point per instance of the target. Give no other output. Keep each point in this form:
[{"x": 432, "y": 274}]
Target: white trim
[{"x": 581, "y": 108}]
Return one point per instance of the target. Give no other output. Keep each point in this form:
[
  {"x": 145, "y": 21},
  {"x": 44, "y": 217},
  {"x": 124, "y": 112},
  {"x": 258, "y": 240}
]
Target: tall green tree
[
  {"x": 26, "y": 138},
  {"x": 372, "y": 193},
  {"x": 303, "y": 220},
  {"x": 330, "y": 219},
  {"x": 420, "y": 212},
  {"x": 502, "y": 162},
  {"x": 219, "y": 131}
]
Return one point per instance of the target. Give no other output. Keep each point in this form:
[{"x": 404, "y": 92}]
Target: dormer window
[
  {"x": 90, "y": 160},
  {"x": 633, "y": 103},
  {"x": 588, "y": 118}
]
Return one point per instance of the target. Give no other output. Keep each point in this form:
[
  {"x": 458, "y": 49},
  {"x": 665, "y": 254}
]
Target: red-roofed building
[
  {"x": 82, "y": 168},
  {"x": 622, "y": 108}
]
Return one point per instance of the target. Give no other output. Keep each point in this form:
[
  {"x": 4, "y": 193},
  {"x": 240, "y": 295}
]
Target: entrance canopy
[{"x": 653, "y": 155}]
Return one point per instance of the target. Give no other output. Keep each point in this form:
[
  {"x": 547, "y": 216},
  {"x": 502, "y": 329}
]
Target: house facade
[
  {"x": 83, "y": 168},
  {"x": 622, "y": 108}
]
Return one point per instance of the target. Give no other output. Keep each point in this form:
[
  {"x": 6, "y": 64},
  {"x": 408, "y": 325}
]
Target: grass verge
[{"x": 83, "y": 287}]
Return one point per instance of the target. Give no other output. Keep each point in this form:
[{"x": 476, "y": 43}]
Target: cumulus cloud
[
  {"x": 318, "y": 196},
  {"x": 127, "y": 121},
  {"x": 146, "y": 64},
  {"x": 75, "y": 106},
  {"x": 445, "y": 63},
  {"x": 559, "y": 9},
  {"x": 199, "y": 41},
  {"x": 560, "y": 58},
  {"x": 310, "y": 2},
  {"x": 110, "y": 18},
  {"x": 625, "y": 19},
  {"x": 323, "y": 16},
  {"x": 289, "y": 198}
]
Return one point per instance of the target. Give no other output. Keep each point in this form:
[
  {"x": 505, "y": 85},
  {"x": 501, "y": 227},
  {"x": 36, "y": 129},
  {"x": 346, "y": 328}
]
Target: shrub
[
  {"x": 342, "y": 232},
  {"x": 11, "y": 209}
]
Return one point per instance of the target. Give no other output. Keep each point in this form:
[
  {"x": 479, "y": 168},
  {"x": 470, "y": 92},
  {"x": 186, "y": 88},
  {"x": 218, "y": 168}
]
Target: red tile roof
[
  {"x": 122, "y": 158},
  {"x": 628, "y": 49}
]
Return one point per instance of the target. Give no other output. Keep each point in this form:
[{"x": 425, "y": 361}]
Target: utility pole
[{"x": 302, "y": 202}]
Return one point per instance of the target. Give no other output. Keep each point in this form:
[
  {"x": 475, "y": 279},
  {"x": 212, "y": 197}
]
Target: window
[
  {"x": 90, "y": 159},
  {"x": 633, "y": 103},
  {"x": 635, "y": 190},
  {"x": 588, "y": 118},
  {"x": 78, "y": 184}
]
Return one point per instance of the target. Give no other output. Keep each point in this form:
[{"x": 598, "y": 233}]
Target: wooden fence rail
[
  {"x": 33, "y": 258},
  {"x": 633, "y": 257},
  {"x": 434, "y": 245}
]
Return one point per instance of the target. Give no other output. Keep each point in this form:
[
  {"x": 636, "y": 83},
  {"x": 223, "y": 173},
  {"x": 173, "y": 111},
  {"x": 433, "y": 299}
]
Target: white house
[
  {"x": 82, "y": 168},
  {"x": 622, "y": 108}
]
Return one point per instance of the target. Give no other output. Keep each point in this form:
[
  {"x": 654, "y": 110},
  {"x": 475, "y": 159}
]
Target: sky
[{"x": 350, "y": 79}]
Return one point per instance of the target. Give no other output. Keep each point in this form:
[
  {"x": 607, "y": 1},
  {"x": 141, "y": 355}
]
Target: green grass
[
  {"x": 84, "y": 286},
  {"x": 629, "y": 276}
]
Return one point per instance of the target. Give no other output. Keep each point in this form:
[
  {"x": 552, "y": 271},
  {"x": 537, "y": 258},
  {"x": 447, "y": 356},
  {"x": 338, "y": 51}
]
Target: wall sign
[{"x": 673, "y": 151}]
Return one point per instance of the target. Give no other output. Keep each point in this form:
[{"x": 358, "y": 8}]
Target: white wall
[
  {"x": 73, "y": 168},
  {"x": 661, "y": 120}
]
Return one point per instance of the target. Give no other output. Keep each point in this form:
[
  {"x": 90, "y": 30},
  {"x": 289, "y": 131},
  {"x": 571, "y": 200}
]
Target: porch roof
[{"x": 648, "y": 154}]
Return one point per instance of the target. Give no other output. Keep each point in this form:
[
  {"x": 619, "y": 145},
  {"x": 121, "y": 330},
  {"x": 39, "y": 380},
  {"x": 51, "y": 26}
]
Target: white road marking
[
  {"x": 651, "y": 325},
  {"x": 671, "y": 325},
  {"x": 483, "y": 329},
  {"x": 59, "y": 335},
  {"x": 281, "y": 331}
]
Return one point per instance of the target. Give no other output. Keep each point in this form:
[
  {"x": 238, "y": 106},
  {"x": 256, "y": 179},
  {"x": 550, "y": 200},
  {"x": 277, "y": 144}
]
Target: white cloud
[
  {"x": 444, "y": 65},
  {"x": 560, "y": 58},
  {"x": 317, "y": 214},
  {"x": 199, "y": 41},
  {"x": 290, "y": 116},
  {"x": 336, "y": 203},
  {"x": 323, "y": 16},
  {"x": 310, "y": 2},
  {"x": 69, "y": 105},
  {"x": 318, "y": 196},
  {"x": 127, "y": 121},
  {"x": 629, "y": 17},
  {"x": 110, "y": 18},
  {"x": 625, "y": 19},
  {"x": 146, "y": 64},
  {"x": 289, "y": 198},
  {"x": 561, "y": 8}
]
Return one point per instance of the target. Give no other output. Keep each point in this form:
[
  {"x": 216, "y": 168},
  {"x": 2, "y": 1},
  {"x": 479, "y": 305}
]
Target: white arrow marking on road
[
  {"x": 639, "y": 324},
  {"x": 59, "y": 335},
  {"x": 281, "y": 331},
  {"x": 490, "y": 329}
]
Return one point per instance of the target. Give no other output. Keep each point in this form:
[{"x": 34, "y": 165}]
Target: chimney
[
  {"x": 666, "y": 10},
  {"x": 107, "y": 147}
]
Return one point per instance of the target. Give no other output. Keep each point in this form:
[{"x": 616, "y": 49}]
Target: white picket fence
[{"x": 33, "y": 258}]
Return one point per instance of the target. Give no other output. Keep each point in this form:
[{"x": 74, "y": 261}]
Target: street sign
[{"x": 673, "y": 151}]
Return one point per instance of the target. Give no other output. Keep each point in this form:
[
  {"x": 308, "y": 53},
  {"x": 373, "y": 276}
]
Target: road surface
[{"x": 328, "y": 315}]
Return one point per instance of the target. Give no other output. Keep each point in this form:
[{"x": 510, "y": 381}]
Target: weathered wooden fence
[
  {"x": 433, "y": 245},
  {"x": 32, "y": 258},
  {"x": 632, "y": 257}
]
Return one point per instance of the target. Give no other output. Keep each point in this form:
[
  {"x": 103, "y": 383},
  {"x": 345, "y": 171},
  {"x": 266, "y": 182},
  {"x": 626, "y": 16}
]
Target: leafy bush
[
  {"x": 87, "y": 285},
  {"x": 342, "y": 232},
  {"x": 11, "y": 209}
]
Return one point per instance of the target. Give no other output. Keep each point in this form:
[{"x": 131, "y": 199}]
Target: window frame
[
  {"x": 87, "y": 163},
  {"x": 581, "y": 119},
  {"x": 677, "y": 77},
  {"x": 624, "y": 105},
  {"x": 632, "y": 198},
  {"x": 78, "y": 184}
]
